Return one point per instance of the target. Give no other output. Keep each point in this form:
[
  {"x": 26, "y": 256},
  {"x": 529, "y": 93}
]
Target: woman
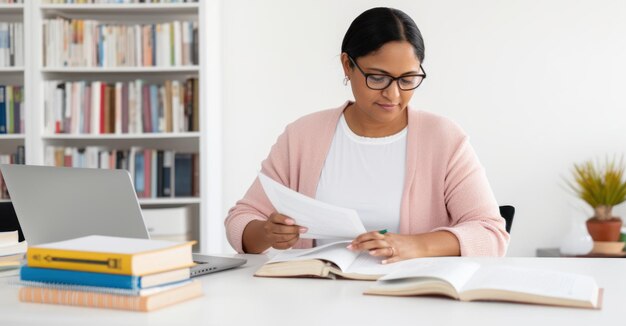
[{"x": 409, "y": 172}]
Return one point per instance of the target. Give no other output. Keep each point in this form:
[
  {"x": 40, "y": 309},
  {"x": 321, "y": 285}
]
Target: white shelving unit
[
  {"x": 14, "y": 75},
  {"x": 206, "y": 142}
]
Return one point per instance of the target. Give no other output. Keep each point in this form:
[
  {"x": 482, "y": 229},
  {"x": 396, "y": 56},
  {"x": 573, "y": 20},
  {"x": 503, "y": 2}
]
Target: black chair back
[
  {"x": 8, "y": 219},
  {"x": 507, "y": 212}
]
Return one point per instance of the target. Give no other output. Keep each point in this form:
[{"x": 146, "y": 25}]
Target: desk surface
[{"x": 237, "y": 298}]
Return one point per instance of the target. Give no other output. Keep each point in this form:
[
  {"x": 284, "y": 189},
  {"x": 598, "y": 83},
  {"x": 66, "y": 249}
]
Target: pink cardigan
[{"x": 445, "y": 186}]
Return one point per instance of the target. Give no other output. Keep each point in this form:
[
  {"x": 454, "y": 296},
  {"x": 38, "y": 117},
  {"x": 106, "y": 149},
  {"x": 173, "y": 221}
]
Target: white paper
[{"x": 323, "y": 220}]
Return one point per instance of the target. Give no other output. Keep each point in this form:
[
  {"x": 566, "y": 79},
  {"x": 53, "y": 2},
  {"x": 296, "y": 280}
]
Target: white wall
[{"x": 538, "y": 85}]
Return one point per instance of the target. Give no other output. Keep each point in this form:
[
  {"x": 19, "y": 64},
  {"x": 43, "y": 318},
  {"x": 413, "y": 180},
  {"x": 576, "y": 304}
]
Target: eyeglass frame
[{"x": 396, "y": 79}]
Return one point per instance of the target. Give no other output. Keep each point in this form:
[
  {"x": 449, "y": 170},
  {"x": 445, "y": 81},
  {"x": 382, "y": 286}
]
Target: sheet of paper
[{"x": 323, "y": 220}]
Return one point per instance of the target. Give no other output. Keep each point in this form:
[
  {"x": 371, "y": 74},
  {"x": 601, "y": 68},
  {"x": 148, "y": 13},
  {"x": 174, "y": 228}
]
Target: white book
[
  {"x": 328, "y": 261},
  {"x": 176, "y": 107},
  {"x": 8, "y": 238},
  {"x": 95, "y": 106},
  {"x": 471, "y": 281},
  {"x": 178, "y": 44},
  {"x": 118, "y": 107},
  {"x": 49, "y": 155},
  {"x": 138, "y": 48},
  {"x": 139, "y": 106},
  {"x": 4, "y": 38},
  {"x": 16, "y": 248}
]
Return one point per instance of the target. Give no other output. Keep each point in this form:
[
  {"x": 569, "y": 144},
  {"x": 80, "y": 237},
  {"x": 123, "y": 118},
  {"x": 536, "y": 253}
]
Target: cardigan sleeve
[
  {"x": 472, "y": 208},
  {"x": 255, "y": 205}
]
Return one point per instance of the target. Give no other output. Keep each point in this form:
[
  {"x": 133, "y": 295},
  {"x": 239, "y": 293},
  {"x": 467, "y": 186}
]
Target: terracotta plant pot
[{"x": 604, "y": 230}]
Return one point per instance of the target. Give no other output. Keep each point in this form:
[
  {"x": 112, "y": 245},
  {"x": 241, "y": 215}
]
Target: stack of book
[
  {"x": 109, "y": 272},
  {"x": 11, "y": 252}
]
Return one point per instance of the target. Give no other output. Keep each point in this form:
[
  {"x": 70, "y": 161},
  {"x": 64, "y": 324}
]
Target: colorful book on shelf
[
  {"x": 114, "y": 255},
  {"x": 73, "y": 296},
  {"x": 471, "y": 281},
  {"x": 50, "y": 275},
  {"x": 183, "y": 175},
  {"x": 3, "y": 110}
]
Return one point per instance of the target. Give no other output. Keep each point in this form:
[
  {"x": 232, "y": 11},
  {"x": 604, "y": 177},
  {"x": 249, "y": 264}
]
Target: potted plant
[{"x": 602, "y": 187}]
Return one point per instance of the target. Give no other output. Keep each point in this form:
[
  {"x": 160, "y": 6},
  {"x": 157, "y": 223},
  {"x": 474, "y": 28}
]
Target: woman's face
[{"x": 388, "y": 105}]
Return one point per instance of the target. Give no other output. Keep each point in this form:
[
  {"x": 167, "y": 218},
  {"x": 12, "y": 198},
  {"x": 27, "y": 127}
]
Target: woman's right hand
[{"x": 282, "y": 231}]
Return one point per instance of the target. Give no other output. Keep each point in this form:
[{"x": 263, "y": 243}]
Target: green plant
[{"x": 600, "y": 186}]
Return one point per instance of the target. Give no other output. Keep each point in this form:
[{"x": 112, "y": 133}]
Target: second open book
[{"x": 470, "y": 281}]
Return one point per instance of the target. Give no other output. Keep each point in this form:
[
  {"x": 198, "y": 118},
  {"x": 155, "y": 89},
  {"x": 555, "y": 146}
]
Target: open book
[
  {"x": 469, "y": 281},
  {"x": 329, "y": 261}
]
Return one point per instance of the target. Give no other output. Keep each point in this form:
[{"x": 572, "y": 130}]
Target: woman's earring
[{"x": 345, "y": 81}]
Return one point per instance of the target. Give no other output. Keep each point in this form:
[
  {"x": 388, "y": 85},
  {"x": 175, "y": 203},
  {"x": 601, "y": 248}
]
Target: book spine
[
  {"x": 182, "y": 175},
  {"x": 82, "y": 298},
  {"x": 49, "y": 275},
  {"x": 80, "y": 261},
  {"x": 3, "y": 110}
]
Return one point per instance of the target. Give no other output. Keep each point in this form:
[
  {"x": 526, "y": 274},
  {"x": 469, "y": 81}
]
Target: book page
[
  {"x": 452, "y": 270},
  {"x": 370, "y": 265},
  {"x": 323, "y": 220},
  {"x": 334, "y": 252},
  {"x": 535, "y": 281}
]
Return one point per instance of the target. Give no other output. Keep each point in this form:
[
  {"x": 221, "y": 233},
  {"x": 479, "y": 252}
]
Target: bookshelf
[
  {"x": 13, "y": 75},
  {"x": 205, "y": 142}
]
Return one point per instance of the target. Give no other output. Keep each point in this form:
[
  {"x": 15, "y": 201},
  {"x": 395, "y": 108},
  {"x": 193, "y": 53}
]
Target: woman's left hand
[{"x": 392, "y": 247}]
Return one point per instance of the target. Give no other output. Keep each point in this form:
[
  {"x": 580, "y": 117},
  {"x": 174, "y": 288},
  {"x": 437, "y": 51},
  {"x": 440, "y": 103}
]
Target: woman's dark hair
[{"x": 375, "y": 27}]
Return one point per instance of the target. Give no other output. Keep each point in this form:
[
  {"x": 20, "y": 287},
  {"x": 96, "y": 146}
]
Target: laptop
[{"x": 56, "y": 203}]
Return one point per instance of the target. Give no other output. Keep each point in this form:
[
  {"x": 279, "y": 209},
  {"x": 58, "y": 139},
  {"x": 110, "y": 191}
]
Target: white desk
[{"x": 236, "y": 298}]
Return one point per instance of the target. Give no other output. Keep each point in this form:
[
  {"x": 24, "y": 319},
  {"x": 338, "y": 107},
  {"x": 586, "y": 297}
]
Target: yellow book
[{"x": 113, "y": 255}]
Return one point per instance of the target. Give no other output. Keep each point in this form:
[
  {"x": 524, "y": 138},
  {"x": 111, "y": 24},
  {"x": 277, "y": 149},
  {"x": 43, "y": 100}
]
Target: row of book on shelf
[
  {"x": 141, "y": 274},
  {"x": 155, "y": 173},
  {"x": 114, "y": 1},
  {"x": 123, "y": 107},
  {"x": 14, "y": 1},
  {"x": 91, "y": 43},
  {"x": 11, "y": 44},
  {"x": 11, "y": 109},
  {"x": 19, "y": 157}
]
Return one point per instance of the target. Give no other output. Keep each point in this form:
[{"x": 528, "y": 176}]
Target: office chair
[{"x": 507, "y": 212}]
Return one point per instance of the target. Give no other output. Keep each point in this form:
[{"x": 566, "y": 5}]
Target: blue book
[
  {"x": 154, "y": 107},
  {"x": 139, "y": 173},
  {"x": 183, "y": 174},
  {"x": 3, "y": 111},
  {"x": 70, "y": 277}
]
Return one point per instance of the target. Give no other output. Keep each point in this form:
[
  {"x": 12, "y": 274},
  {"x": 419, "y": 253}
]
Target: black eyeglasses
[{"x": 381, "y": 81}]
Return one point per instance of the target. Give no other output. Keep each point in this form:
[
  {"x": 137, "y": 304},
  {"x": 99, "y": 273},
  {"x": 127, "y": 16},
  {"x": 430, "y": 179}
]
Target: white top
[{"x": 365, "y": 174}]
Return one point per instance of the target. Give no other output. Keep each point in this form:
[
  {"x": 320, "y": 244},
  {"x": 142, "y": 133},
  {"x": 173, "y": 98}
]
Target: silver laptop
[{"x": 54, "y": 204}]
